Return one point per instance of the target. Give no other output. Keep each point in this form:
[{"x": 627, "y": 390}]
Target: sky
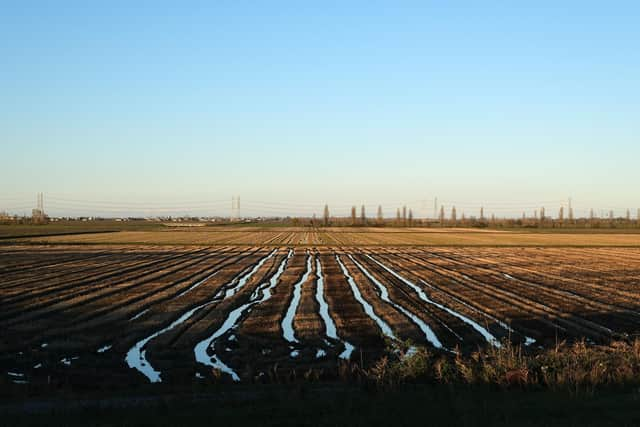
[{"x": 174, "y": 107}]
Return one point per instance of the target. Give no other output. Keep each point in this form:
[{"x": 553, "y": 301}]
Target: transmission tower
[
  {"x": 435, "y": 207},
  {"x": 235, "y": 207}
]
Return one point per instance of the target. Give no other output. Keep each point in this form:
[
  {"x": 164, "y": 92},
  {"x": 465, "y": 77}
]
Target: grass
[{"x": 579, "y": 369}]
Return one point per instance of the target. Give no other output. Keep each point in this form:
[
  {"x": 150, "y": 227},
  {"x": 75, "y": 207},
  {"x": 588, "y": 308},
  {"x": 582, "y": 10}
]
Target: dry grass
[{"x": 577, "y": 368}]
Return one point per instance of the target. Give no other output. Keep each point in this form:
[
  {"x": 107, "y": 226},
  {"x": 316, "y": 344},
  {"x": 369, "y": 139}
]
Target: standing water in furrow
[
  {"x": 479, "y": 328},
  {"x": 330, "y": 326},
  {"x": 384, "y": 327},
  {"x": 261, "y": 294},
  {"x": 287, "y": 321},
  {"x": 136, "y": 357},
  {"x": 384, "y": 295}
]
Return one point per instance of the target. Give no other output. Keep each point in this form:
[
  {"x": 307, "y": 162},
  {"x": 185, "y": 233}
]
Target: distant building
[{"x": 38, "y": 216}]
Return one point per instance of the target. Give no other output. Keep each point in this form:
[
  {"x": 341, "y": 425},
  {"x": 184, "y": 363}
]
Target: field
[
  {"x": 156, "y": 234},
  {"x": 114, "y": 316}
]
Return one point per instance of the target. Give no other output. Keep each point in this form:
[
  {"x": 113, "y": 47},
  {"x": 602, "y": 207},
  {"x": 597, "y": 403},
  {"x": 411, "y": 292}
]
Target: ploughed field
[{"x": 121, "y": 315}]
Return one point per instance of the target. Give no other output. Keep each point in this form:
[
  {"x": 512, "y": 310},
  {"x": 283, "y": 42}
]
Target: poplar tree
[
  {"x": 453, "y": 214},
  {"x": 326, "y": 215},
  {"x": 379, "y": 216},
  {"x": 353, "y": 215},
  {"x": 363, "y": 216}
]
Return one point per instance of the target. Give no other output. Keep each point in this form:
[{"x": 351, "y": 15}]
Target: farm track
[{"x": 81, "y": 315}]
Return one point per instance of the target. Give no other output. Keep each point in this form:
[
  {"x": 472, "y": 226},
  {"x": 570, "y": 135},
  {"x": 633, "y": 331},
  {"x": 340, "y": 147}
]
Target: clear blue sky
[{"x": 292, "y": 105}]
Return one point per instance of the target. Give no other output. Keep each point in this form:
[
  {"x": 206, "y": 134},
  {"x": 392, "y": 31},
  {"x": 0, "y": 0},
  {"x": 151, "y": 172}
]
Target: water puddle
[
  {"x": 329, "y": 324},
  {"x": 243, "y": 280},
  {"x": 262, "y": 294},
  {"x": 287, "y": 321},
  {"x": 479, "y": 328},
  {"x": 195, "y": 285},
  {"x": 104, "y": 349},
  {"x": 67, "y": 360},
  {"x": 139, "y": 315},
  {"x": 368, "y": 309},
  {"x": 136, "y": 356},
  {"x": 528, "y": 340},
  {"x": 384, "y": 295}
]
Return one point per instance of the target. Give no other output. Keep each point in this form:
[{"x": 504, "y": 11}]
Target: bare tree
[
  {"x": 363, "y": 216},
  {"x": 404, "y": 215},
  {"x": 481, "y": 213},
  {"x": 326, "y": 215},
  {"x": 591, "y": 216},
  {"x": 353, "y": 215},
  {"x": 611, "y": 214},
  {"x": 571, "y": 214},
  {"x": 542, "y": 213},
  {"x": 442, "y": 215},
  {"x": 410, "y": 217},
  {"x": 398, "y": 217},
  {"x": 453, "y": 214},
  {"x": 628, "y": 215},
  {"x": 379, "y": 216},
  {"x": 561, "y": 214}
]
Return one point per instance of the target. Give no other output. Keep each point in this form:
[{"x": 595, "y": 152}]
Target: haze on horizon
[{"x": 291, "y": 106}]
